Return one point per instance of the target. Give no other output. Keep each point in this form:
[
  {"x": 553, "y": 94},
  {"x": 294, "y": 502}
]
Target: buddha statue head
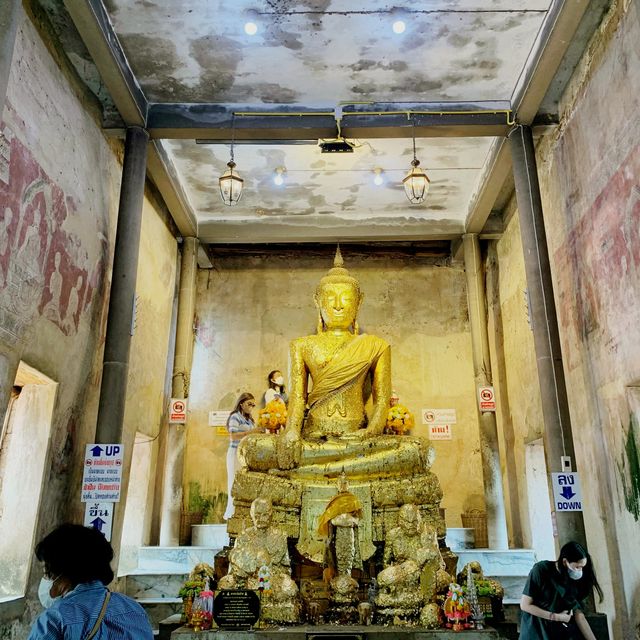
[
  {"x": 409, "y": 519},
  {"x": 261, "y": 512},
  {"x": 338, "y": 298}
]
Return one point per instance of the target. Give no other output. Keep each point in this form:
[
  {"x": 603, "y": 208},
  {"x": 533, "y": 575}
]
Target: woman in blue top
[
  {"x": 239, "y": 424},
  {"x": 78, "y": 604},
  {"x": 552, "y": 600}
]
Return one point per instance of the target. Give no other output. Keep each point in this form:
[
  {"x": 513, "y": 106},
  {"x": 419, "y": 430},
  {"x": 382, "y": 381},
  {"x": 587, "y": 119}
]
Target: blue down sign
[{"x": 567, "y": 494}]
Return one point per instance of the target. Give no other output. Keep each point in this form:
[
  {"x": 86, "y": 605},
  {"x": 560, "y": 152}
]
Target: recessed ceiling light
[
  {"x": 251, "y": 28},
  {"x": 399, "y": 26}
]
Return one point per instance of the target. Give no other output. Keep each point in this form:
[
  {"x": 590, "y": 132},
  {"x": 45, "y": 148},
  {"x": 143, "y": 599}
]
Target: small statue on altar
[
  {"x": 412, "y": 560},
  {"x": 259, "y": 549},
  {"x": 338, "y": 525}
]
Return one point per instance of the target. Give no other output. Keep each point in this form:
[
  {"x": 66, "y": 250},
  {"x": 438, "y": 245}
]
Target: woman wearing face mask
[
  {"x": 276, "y": 390},
  {"x": 239, "y": 424},
  {"x": 73, "y": 591},
  {"x": 552, "y": 600}
]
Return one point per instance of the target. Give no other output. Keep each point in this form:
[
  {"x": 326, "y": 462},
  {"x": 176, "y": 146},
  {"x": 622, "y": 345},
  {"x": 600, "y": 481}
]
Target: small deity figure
[
  {"x": 338, "y": 525},
  {"x": 327, "y": 429},
  {"x": 259, "y": 546},
  {"x": 411, "y": 560}
]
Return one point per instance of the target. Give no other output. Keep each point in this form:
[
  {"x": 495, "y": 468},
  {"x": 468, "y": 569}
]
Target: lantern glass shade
[
  {"x": 416, "y": 184},
  {"x": 230, "y": 185}
]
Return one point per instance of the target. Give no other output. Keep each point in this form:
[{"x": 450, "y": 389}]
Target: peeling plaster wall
[
  {"x": 59, "y": 187},
  {"x": 589, "y": 172},
  {"x": 249, "y": 309}
]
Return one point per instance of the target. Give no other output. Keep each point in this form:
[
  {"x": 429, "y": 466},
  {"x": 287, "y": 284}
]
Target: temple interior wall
[
  {"x": 589, "y": 172},
  {"x": 250, "y": 308},
  {"x": 59, "y": 189}
]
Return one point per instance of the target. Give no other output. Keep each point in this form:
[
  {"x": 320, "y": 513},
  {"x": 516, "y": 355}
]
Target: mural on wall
[
  {"x": 602, "y": 252},
  {"x": 46, "y": 268}
]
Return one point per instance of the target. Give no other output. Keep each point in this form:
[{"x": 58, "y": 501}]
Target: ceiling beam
[
  {"x": 554, "y": 38},
  {"x": 163, "y": 174},
  {"x": 213, "y": 122},
  {"x": 92, "y": 22}
]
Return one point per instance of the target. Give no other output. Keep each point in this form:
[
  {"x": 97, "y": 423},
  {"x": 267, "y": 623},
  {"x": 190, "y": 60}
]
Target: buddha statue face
[
  {"x": 338, "y": 303},
  {"x": 261, "y": 512}
]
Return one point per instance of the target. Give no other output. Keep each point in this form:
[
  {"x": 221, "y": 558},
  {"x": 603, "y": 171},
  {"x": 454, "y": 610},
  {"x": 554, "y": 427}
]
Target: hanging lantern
[
  {"x": 416, "y": 182},
  {"x": 230, "y": 184}
]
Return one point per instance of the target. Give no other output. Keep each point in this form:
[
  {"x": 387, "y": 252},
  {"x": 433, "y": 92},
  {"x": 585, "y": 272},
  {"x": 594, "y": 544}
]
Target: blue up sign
[{"x": 567, "y": 494}]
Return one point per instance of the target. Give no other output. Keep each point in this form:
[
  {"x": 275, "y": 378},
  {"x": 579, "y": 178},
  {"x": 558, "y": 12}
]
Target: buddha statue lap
[
  {"x": 264, "y": 545},
  {"x": 327, "y": 430}
]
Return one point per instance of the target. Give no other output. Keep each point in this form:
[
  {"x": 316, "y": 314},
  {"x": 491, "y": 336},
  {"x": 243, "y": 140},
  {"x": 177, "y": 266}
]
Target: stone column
[
  {"x": 489, "y": 451},
  {"x": 10, "y": 14},
  {"x": 174, "y": 457},
  {"x": 558, "y": 439},
  {"x": 113, "y": 389}
]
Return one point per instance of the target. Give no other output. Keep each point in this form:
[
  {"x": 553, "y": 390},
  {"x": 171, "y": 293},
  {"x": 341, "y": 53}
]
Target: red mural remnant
[
  {"x": 46, "y": 269},
  {"x": 599, "y": 264}
]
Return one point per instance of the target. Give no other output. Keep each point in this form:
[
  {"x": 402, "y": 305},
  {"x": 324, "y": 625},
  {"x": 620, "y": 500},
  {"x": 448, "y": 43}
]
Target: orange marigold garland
[
  {"x": 273, "y": 417},
  {"x": 399, "y": 420}
]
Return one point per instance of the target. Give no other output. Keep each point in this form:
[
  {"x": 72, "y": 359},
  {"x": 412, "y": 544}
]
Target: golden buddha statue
[
  {"x": 333, "y": 376},
  {"x": 412, "y": 561},
  {"x": 327, "y": 429},
  {"x": 264, "y": 545}
]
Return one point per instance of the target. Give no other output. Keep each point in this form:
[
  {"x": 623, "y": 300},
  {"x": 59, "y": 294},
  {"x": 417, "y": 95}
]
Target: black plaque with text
[{"x": 236, "y": 609}]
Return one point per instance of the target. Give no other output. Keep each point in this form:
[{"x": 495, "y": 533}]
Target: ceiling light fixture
[
  {"x": 230, "y": 182},
  {"x": 250, "y": 28},
  {"x": 278, "y": 178},
  {"x": 399, "y": 26},
  {"x": 416, "y": 182},
  {"x": 378, "y": 179}
]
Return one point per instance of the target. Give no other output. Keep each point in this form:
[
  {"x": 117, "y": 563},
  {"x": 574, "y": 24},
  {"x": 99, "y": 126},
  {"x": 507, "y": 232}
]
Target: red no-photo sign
[
  {"x": 486, "y": 399},
  {"x": 178, "y": 411}
]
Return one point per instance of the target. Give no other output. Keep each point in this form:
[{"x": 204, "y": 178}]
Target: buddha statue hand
[{"x": 289, "y": 449}]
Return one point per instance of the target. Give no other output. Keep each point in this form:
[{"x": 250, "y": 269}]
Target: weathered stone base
[{"x": 387, "y": 496}]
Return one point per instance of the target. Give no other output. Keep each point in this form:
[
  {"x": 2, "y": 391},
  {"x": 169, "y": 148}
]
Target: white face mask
[
  {"x": 574, "y": 574},
  {"x": 44, "y": 595},
  {"x": 279, "y": 381}
]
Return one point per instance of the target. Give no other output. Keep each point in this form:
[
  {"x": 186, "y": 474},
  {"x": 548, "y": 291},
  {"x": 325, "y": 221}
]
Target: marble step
[
  {"x": 158, "y": 609},
  {"x": 499, "y": 562},
  {"x": 154, "y": 585},
  {"x": 173, "y": 559},
  {"x": 460, "y": 538}
]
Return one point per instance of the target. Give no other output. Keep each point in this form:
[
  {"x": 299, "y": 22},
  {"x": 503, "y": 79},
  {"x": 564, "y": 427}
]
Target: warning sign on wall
[
  {"x": 439, "y": 432},
  {"x": 486, "y": 399},
  {"x": 178, "y": 411}
]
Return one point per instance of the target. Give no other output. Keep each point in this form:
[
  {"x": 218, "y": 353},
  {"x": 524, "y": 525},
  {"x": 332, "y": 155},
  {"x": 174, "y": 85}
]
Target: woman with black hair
[
  {"x": 276, "y": 390},
  {"x": 552, "y": 600},
  {"x": 78, "y": 606}
]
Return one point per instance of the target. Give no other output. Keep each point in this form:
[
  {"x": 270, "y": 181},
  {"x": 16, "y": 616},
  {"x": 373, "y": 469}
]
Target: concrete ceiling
[{"x": 189, "y": 70}]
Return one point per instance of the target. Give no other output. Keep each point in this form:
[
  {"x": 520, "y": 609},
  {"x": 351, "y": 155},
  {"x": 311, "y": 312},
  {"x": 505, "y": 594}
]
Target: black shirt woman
[{"x": 552, "y": 600}]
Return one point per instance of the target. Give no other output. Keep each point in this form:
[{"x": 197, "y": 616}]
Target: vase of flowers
[
  {"x": 399, "y": 420},
  {"x": 273, "y": 417},
  {"x": 190, "y": 590}
]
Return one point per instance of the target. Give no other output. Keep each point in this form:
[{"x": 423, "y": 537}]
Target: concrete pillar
[
  {"x": 10, "y": 15},
  {"x": 489, "y": 450},
  {"x": 558, "y": 439},
  {"x": 174, "y": 456},
  {"x": 120, "y": 321}
]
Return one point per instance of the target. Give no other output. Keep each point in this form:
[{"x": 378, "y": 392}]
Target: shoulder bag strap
[{"x": 96, "y": 626}]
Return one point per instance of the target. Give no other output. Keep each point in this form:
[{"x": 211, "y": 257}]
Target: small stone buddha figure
[
  {"x": 327, "y": 429},
  {"x": 411, "y": 560},
  {"x": 264, "y": 545},
  {"x": 338, "y": 525}
]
